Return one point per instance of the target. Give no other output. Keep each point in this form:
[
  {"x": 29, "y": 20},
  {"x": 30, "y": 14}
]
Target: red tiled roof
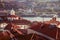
[
  {"x": 47, "y": 30},
  {"x": 3, "y": 14},
  {"x": 23, "y": 21},
  {"x": 11, "y": 16},
  {"x": 4, "y": 36},
  {"x": 8, "y": 27},
  {"x": 20, "y": 22}
]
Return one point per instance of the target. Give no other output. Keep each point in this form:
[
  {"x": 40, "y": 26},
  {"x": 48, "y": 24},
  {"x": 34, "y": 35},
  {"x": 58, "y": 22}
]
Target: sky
[
  {"x": 45, "y": 0},
  {"x": 33, "y": 0},
  {"x": 41, "y": 0}
]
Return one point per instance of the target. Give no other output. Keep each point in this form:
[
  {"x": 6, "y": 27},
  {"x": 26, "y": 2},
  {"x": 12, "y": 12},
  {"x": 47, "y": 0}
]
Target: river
[{"x": 39, "y": 18}]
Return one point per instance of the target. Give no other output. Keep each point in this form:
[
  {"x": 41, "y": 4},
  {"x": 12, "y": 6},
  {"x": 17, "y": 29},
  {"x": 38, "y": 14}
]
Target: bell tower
[{"x": 12, "y": 12}]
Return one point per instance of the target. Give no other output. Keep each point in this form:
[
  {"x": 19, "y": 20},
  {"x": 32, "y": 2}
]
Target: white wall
[{"x": 23, "y": 26}]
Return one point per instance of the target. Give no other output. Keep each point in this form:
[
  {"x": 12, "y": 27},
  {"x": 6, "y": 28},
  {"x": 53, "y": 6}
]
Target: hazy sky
[
  {"x": 34, "y": 0},
  {"x": 46, "y": 0},
  {"x": 40, "y": 0}
]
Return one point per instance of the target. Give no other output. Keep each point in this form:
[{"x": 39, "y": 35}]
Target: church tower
[{"x": 12, "y": 12}]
